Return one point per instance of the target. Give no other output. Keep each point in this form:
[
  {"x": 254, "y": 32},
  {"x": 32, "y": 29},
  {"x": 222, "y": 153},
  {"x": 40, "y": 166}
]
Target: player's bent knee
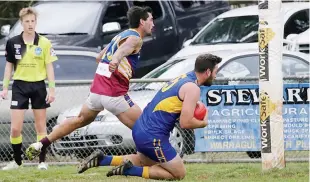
[
  {"x": 89, "y": 113},
  {"x": 86, "y": 118},
  {"x": 76, "y": 122},
  {"x": 81, "y": 121},
  {"x": 180, "y": 174},
  {"x": 176, "y": 168}
]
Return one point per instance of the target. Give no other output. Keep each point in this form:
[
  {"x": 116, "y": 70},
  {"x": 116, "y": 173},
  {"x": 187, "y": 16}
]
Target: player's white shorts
[{"x": 115, "y": 105}]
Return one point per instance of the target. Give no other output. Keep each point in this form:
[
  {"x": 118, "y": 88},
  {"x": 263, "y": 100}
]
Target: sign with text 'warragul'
[{"x": 234, "y": 118}]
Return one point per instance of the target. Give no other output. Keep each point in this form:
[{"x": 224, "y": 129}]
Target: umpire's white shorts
[{"x": 115, "y": 105}]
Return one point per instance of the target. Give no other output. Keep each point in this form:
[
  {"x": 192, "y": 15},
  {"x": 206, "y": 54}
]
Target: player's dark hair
[
  {"x": 206, "y": 61},
  {"x": 136, "y": 13}
]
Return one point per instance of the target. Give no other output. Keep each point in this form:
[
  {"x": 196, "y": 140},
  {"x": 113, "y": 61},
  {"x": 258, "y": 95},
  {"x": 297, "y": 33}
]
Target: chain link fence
[{"x": 110, "y": 135}]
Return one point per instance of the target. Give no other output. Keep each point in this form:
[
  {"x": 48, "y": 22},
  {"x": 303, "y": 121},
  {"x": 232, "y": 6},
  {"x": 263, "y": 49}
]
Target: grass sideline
[{"x": 232, "y": 172}]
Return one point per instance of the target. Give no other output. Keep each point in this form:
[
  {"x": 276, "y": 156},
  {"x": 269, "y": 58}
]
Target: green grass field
[{"x": 295, "y": 172}]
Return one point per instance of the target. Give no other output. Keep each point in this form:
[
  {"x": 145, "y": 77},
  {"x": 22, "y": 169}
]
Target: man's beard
[
  {"x": 148, "y": 34},
  {"x": 208, "y": 82}
]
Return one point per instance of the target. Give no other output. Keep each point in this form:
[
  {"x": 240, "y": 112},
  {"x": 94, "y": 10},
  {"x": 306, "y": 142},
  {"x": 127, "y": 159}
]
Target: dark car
[{"x": 94, "y": 23}]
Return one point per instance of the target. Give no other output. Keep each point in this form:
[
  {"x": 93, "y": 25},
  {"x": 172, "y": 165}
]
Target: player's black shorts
[{"x": 23, "y": 91}]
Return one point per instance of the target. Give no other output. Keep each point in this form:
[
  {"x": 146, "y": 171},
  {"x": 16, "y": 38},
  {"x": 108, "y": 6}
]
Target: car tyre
[{"x": 182, "y": 140}]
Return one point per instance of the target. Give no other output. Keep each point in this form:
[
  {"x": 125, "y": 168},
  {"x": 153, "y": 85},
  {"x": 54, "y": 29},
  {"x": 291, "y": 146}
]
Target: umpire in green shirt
[{"x": 31, "y": 56}]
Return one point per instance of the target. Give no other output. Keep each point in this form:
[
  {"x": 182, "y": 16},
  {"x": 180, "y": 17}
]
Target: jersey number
[{"x": 170, "y": 84}]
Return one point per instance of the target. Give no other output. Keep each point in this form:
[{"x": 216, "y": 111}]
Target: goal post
[{"x": 270, "y": 37}]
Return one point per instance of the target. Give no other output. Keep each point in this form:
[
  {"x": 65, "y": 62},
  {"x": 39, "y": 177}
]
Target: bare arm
[
  {"x": 50, "y": 73},
  {"x": 7, "y": 73},
  {"x": 51, "y": 83},
  {"x": 49, "y": 59},
  {"x": 126, "y": 48},
  {"x": 190, "y": 94}
]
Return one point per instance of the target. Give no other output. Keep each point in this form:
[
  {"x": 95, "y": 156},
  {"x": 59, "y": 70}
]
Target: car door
[{"x": 166, "y": 31}]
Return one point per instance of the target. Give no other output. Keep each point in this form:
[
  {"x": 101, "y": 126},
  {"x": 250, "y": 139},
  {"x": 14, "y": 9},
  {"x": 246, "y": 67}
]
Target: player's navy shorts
[{"x": 157, "y": 148}]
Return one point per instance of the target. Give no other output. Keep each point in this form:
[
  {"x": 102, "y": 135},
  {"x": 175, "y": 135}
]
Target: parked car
[
  {"x": 298, "y": 42},
  {"x": 109, "y": 134},
  {"x": 237, "y": 29},
  {"x": 95, "y": 23},
  {"x": 74, "y": 63}
]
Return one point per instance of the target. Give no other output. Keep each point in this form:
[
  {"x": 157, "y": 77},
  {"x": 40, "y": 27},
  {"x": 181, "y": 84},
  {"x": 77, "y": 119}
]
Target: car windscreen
[
  {"x": 241, "y": 29},
  {"x": 248, "y": 65},
  {"x": 68, "y": 67},
  {"x": 63, "y": 18},
  {"x": 73, "y": 67}
]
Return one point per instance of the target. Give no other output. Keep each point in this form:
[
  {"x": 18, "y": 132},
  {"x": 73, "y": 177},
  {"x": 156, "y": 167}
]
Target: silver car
[{"x": 110, "y": 135}]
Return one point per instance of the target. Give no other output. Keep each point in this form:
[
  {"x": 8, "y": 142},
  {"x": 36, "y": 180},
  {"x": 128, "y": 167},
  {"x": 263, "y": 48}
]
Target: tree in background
[{"x": 9, "y": 11}]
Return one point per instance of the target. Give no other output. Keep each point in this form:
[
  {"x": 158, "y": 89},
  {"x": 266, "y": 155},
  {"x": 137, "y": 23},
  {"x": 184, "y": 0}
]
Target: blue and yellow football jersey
[{"x": 161, "y": 114}]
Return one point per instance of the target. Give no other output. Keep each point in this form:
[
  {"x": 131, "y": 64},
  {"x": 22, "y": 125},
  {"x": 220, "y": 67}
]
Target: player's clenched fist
[
  {"x": 113, "y": 65},
  {"x": 4, "y": 94},
  {"x": 98, "y": 59}
]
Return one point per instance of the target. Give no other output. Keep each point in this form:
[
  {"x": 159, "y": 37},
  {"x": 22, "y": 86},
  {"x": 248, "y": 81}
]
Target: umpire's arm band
[
  {"x": 51, "y": 84},
  {"x": 6, "y": 83}
]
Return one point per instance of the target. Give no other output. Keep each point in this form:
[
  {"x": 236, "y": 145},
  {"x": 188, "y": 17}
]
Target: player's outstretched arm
[
  {"x": 126, "y": 48},
  {"x": 190, "y": 93}
]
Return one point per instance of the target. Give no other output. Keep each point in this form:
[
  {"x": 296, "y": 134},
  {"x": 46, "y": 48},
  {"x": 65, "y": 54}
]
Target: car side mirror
[
  {"x": 111, "y": 27},
  {"x": 291, "y": 36},
  {"x": 187, "y": 43},
  {"x": 291, "y": 42},
  {"x": 5, "y": 30}
]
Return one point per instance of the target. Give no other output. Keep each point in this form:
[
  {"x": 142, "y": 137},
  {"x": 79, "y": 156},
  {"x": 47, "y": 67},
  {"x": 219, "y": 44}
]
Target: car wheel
[
  {"x": 177, "y": 141},
  {"x": 182, "y": 140},
  {"x": 254, "y": 154}
]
